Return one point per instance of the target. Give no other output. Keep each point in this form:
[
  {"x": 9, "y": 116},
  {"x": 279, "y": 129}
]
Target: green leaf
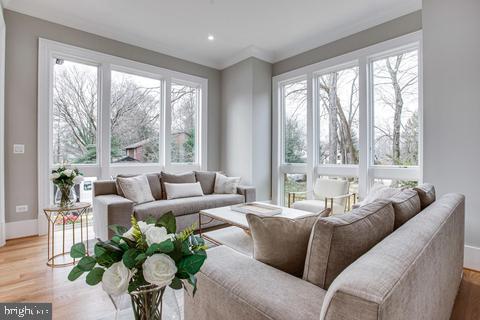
[
  {"x": 87, "y": 263},
  {"x": 176, "y": 284},
  {"x": 186, "y": 249},
  {"x": 118, "y": 229},
  {"x": 116, "y": 239},
  {"x": 141, "y": 258},
  {"x": 95, "y": 276},
  {"x": 98, "y": 250},
  {"x": 163, "y": 247},
  {"x": 77, "y": 250},
  {"x": 75, "y": 273},
  {"x": 191, "y": 264},
  {"x": 110, "y": 246},
  {"x": 168, "y": 221},
  {"x": 137, "y": 282},
  {"x": 129, "y": 257},
  {"x": 108, "y": 258},
  {"x": 150, "y": 220},
  {"x": 193, "y": 281}
]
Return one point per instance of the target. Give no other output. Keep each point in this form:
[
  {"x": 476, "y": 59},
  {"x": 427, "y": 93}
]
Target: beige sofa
[
  {"x": 413, "y": 273},
  {"x": 111, "y": 207}
]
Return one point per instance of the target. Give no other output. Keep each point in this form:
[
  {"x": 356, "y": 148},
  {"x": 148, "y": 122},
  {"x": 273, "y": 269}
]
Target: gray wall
[
  {"x": 21, "y": 98},
  {"x": 246, "y": 123},
  {"x": 388, "y": 30},
  {"x": 451, "y": 64}
]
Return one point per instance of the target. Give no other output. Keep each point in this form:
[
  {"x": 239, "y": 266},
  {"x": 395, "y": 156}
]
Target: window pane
[
  {"x": 135, "y": 118},
  {"x": 397, "y": 183},
  {"x": 294, "y": 182},
  {"x": 74, "y": 112},
  {"x": 338, "y": 101},
  {"x": 295, "y": 125},
  {"x": 183, "y": 132},
  {"x": 395, "y": 98}
]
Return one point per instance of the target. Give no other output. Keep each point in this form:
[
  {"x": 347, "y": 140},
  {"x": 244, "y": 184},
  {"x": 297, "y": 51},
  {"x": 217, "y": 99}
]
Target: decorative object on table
[
  {"x": 259, "y": 209},
  {"x": 143, "y": 261},
  {"x": 70, "y": 216},
  {"x": 65, "y": 179}
]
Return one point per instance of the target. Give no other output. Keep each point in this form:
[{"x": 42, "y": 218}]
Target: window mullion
[
  {"x": 103, "y": 148},
  {"x": 364, "y": 132},
  {"x": 167, "y": 124}
]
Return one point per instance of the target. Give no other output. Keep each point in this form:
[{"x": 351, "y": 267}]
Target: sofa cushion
[
  {"x": 136, "y": 189},
  {"x": 207, "y": 180},
  {"x": 337, "y": 241},
  {"x": 406, "y": 205},
  {"x": 224, "y": 184},
  {"x": 426, "y": 193},
  {"x": 183, "y": 190},
  {"x": 187, "y": 177},
  {"x": 281, "y": 242},
  {"x": 186, "y": 205},
  {"x": 153, "y": 181}
]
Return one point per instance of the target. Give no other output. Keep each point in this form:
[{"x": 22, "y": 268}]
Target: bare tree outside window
[
  {"x": 395, "y": 98},
  {"x": 134, "y": 118},
  {"x": 295, "y": 123},
  {"x": 338, "y": 112},
  {"x": 74, "y": 112},
  {"x": 184, "y": 106}
]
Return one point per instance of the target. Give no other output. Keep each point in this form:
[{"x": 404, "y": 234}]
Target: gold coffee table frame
[{"x": 53, "y": 215}]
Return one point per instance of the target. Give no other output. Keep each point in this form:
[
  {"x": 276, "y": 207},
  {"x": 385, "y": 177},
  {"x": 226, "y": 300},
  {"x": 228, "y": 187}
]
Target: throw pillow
[
  {"x": 187, "y": 177},
  {"x": 136, "y": 189},
  {"x": 281, "y": 242},
  {"x": 153, "y": 181},
  {"x": 207, "y": 180},
  {"x": 183, "y": 190},
  {"x": 426, "y": 193},
  {"x": 337, "y": 241},
  {"x": 406, "y": 205},
  {"x": 224, "y": 184},
  {"x": 379, "y": 191}
]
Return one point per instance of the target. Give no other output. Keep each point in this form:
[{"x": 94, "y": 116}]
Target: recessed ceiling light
[{"x": 211, "y": 37}]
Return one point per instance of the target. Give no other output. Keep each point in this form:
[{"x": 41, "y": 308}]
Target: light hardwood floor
[{"x": 24, "y": 277}]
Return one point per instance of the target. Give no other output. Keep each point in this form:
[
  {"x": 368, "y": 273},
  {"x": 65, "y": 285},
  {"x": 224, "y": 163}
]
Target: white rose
[
  {"x": 144, "y": 227},
  {"x": 77, "y": 179},
  {"x": 115, "y": 279},
  {"x": 159, "y": 269},
  {"x": 157, "y": 235},
  {"x": 54, "y": 176},
  {"x": 68, "y": 172}
]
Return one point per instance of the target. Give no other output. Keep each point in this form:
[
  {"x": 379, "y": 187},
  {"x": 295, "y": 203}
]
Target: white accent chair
[{"x": 327, "y": 193}]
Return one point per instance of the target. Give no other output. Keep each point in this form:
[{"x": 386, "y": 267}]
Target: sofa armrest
[
  {"x": 234, "y": 286},
  {"x": 110, "y": 209},
  {"x": 104, "y": 187},
  {"x": 248, "y": 192}
]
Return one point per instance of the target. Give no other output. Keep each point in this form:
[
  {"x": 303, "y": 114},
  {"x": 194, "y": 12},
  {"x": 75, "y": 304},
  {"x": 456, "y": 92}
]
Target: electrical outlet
[
  {"x": 18, "y": 148},
  {"x": 22, "y": 208}
]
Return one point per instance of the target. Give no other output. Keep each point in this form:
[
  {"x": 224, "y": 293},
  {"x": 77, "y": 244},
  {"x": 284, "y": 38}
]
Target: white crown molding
[
  {"x": 246, "y": 53},
  {"x": 324, "y": 38}
]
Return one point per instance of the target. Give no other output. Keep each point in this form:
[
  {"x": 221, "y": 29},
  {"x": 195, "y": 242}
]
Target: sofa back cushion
[
  {"x": 207, "y": 180},
  {"x": 337, "y": 241},
  {"x": 406, "y": 205},
  {"x": 281, "y": 242},
  {"x": 426, "y": 193},
  {"x": 136, "y": 189},
  {"x": 187, "y": 177},
  {"x": 153, "y": 181},
  {"x": 225, "y": 185}
]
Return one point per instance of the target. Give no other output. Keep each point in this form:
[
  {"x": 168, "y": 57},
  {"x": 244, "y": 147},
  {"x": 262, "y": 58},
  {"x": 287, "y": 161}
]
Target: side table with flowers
[{"x": 143, "y": 261}]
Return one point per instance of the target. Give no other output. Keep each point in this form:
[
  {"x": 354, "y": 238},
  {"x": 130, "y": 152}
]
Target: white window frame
[
  {"x": 103, "y": 168},
  {"x": 365, "y": 170}
]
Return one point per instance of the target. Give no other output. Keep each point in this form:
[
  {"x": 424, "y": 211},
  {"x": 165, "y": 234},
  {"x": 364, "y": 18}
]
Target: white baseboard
[
  {"x": 2, "y": 234},
  {"x": 472, "y": 258},
  {"x": 23, "y": 228}
]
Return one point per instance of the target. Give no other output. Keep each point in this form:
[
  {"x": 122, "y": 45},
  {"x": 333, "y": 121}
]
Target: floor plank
[{"x": 25, "y": 277}]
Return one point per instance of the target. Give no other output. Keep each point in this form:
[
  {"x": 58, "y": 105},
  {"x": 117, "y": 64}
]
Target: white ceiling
[{"x": 267, "y": 29}]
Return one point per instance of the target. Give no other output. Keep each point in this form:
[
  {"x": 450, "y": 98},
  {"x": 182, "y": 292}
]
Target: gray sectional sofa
[
  {"x": 412, "y": 273},
  {"x": 111, "y": 207}
]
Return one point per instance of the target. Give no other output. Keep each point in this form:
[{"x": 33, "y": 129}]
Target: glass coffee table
[{"x": 235, "y": 232}]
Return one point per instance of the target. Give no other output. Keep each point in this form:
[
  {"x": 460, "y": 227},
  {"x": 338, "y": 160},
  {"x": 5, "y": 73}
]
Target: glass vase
[
  {"x": 65, "y": 196},
  {"x": 147, "y": 302}
]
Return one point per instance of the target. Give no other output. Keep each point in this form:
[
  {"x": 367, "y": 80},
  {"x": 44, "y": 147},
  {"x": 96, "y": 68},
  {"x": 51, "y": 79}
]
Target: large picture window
[{"x": 356, "y": 117}]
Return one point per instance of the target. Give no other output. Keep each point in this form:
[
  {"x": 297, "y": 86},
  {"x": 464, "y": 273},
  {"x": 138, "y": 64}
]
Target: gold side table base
[{"x": 58, "y": 214}]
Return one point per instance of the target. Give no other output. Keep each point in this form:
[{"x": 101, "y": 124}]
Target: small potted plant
[
  {"x": 143, "y": 261},
  {"x": 65, "y": 179}
]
